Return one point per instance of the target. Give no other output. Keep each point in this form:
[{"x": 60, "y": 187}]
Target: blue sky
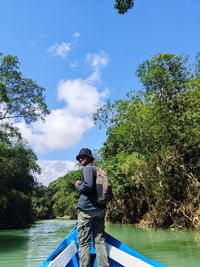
[{"x": 83, "y": 53}]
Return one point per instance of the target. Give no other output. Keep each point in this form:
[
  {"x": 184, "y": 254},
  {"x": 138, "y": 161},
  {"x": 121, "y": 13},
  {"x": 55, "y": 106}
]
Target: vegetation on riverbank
[{"x": 152, "y": 151}]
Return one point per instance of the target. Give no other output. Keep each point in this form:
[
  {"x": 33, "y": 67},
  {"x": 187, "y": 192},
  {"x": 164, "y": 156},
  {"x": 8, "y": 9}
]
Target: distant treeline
[{"x": 151, "y": 153}]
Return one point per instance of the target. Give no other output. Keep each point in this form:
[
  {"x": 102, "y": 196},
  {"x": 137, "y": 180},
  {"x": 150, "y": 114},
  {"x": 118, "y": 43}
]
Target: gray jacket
[{"x": 87, "y": 189}]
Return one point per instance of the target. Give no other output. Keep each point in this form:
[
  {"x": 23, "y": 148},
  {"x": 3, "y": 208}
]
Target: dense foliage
[
  {"x": 64, "y": 195},
  {"x": 152, "y": 149},
  {"x": 18, "y": 165},
  {"x": 41, "y": 202},
  {"x": 20, "y": 98},
  {"x": 122, "y": 6}
]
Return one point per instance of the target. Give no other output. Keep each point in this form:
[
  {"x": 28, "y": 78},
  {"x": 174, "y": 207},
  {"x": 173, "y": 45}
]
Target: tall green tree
[
  {"x": 20, "y": 99},
  {"x": 18, "y": 167},
  {"x": 152, "y": 146}
]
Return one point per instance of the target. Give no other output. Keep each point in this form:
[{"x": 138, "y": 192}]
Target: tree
[
  {"x": 42, "y": 202},
  {"x": 18, "y": 167},
  {"x": 20, "y": 98},
  {"x": 64, "y": 195},
  {"x": 122, "y": 6},
  {"x": 153, "y": 143}
]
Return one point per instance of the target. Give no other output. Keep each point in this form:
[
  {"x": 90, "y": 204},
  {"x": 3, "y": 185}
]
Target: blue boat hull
[{"x": 119, "y": 254}]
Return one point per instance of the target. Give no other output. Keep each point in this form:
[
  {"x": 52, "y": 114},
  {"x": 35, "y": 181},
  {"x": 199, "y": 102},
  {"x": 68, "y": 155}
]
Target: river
[{"x": 29, "y": 247}]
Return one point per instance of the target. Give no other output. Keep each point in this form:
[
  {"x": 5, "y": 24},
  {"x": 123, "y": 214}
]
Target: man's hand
[{"x": 77, "y": 183}]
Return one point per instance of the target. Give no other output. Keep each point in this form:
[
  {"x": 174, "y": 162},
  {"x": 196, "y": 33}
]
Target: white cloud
[
  {"x": 61, "y": 130},
  {"x": 97, "y": 62},
  {"x": 60, "y": 50},
  {"x": 65, "y": 127},
  {"x": 81, "y": 97},
  {"x": 53, "y": 169},
  {"x": 63, "y": 49},
  {"x": 76, "y": 35}
]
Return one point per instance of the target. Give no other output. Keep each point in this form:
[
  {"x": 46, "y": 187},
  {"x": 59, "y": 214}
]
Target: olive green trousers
[{"x": 91, "y": 228}]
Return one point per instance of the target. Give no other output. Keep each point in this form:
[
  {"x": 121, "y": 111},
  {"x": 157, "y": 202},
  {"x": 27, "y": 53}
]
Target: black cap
[{"x": 85, "y": 152}]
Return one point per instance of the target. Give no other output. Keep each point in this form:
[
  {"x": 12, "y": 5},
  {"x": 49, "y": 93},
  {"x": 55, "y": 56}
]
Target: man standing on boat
[{"x": 91, "y": 216}]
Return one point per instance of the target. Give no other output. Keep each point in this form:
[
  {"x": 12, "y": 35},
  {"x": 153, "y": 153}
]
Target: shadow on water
[
  {"x": 13, "y": 247},
  {"x": 9, "y": 241}
]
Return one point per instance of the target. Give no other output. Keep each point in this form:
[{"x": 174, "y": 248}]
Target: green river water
[{"x": 29, "y": 247}]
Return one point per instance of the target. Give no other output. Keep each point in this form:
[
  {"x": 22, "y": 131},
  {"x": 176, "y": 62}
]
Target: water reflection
[
  {"x": 29, "y": 247},
  {"x": 13, "y": 248},
  {"x": 44, "y": 236},
  {"x": 173, "y": 248}
]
